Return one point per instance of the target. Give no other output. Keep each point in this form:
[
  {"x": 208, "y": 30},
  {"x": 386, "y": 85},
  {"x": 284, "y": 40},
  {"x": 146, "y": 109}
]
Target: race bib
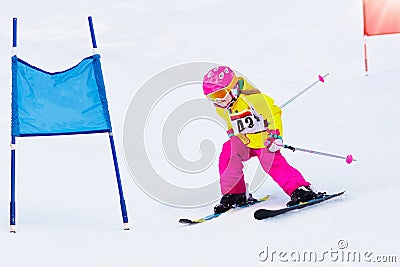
[{"x": 247, "y": 121}]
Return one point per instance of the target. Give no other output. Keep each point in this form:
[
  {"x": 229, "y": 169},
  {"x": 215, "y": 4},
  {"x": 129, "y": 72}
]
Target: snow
[{"x": 67, "y": 201}]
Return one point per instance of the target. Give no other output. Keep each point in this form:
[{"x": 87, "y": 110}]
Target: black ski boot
[
  {"x": 229, "y": 201},
  {"x": 302, "y": 194},
  {"x": 251, "y": 199}
]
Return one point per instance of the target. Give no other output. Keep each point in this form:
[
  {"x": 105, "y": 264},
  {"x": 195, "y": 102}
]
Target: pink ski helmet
[{"x": 220, "y": 77}]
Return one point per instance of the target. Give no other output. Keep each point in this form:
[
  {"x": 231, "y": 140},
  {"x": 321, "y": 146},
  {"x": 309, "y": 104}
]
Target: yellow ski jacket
[{"x": 252, "y": 116}]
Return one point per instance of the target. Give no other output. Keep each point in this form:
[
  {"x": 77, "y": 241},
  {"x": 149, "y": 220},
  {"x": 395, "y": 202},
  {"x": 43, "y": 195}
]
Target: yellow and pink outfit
[{"x": 251, "y": 118}]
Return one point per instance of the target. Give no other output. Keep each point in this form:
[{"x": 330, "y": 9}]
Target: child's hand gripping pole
[{"x": 274, "y": 141}]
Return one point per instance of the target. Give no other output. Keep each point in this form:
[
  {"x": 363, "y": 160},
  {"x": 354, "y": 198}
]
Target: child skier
[{"x": 254, "y": 128}]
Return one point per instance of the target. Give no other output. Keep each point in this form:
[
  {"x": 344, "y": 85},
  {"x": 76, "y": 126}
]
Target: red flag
[{"x": 381, "y": 17}]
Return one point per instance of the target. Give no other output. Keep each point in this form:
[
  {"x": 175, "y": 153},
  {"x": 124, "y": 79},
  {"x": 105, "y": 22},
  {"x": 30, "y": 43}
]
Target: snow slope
[{"x": 67, "y": 205}]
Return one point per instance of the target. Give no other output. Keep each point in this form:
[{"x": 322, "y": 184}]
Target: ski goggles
[{"x": 221, "y": 94}]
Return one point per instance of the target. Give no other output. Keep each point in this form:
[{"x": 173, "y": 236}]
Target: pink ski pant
[{"x": 231, "y": 159}]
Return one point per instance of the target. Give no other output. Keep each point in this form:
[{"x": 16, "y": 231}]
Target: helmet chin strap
[{"x": 228, "y": 105}]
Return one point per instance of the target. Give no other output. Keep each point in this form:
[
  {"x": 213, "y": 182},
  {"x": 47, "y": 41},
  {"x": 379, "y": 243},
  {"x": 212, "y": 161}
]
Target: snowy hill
[{"x": 67, "y": 201}]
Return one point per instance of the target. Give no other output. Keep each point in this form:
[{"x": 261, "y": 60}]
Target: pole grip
[
  {"x": 14, "y": 32},
  {"x": 92, "y": 32}
]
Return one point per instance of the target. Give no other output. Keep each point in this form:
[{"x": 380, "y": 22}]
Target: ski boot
[
  {"x": 229, "y": 201},
  {"x": 303, "y": 194}
]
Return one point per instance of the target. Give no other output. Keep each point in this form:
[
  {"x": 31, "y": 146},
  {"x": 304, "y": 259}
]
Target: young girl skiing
[{"x": 254, "y": 128}]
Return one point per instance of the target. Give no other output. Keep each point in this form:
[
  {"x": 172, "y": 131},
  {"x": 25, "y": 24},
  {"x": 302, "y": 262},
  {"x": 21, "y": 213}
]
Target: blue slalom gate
[{"x": 60, "y": 103}]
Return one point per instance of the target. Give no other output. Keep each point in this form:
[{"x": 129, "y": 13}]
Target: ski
[
  {"x": 216, "y": 215},
  {"x": 264, "y": 213}
]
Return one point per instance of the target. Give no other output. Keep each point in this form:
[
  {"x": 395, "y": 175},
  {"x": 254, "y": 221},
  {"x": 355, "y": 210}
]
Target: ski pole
[
  {"x": 349, "y": 158},
  {"x": 320, "y": 79}
]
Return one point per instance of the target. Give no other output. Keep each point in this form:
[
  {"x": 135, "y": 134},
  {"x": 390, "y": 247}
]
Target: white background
[{"x": 67, "y": 202}]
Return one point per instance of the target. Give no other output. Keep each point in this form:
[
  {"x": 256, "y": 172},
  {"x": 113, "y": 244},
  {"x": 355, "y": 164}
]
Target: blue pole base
[
  {"x": 124, "y": 213},
  {"x": 119, "y": 183},
  {"x": 12, "y": 218}
]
